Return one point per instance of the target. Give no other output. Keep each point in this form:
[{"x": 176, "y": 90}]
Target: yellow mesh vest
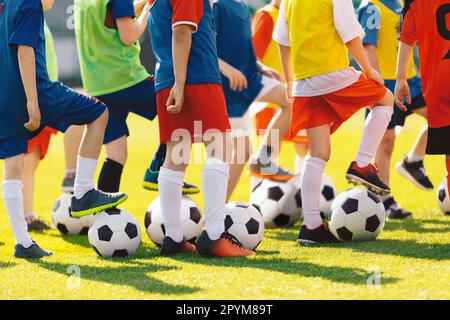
[
  {"x": 316, "y": 45},
  {"x": 387, "y": 48}
]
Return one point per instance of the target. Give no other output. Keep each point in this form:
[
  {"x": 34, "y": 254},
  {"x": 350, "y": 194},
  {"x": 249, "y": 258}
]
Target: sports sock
[
  {"x": 311, "y": 187},
  {"x": 30, "y": 214},
  {"x": 299, "y": 164},
  {"x": 84, "y": 180},
  {"x": 264, "y": 154},
  {"x": 412, "y": 157},
  {"x": 374, "y": 130},
  {"x": 158, "y": 158},
  {"x": 215, "y": 181},
  {"x": 13, "y": 197},
  {"x": 447, "y": 164},
  {"x": 170, "y": 184},
  {"x": 70, "y": 172},
  {"x": 385, "y": 197},
  {"x": 110, "y": 175}
]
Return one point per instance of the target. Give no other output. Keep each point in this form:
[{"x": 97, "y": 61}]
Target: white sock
[
  {"x": 412, "y": 157},
  {"x": 84, "y": 179},
  {"x": 299, "y": 164},
  {"x": 170, "y": 185},
  {"x": 30, "y": 214},
  {"x": 13, "y": 198},
  {"x": 311, "y": 187},
  {"x": 69, "y": 172},
  {"x": 374, "y": 130},
  {"x": 215, "y": 182}
]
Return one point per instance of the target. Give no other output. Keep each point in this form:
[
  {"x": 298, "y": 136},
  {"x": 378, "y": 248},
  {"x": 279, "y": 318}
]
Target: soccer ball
[
  {"x": 115, "y": 233},
  {"x": 191, "y": 221},
  {"x": 64, "y": 222},
  {"x": 245, "y": 223},
  {"x": 279, "y": 203},
  {"x": 357, "y": 214},
  {"x": 327, "y": 194},
  {"x": 443, "y": 197}
]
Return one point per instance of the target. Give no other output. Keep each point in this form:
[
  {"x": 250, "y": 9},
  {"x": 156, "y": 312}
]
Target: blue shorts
[
  {"x": 139, "y": 99},
  {"x": 417, "y": 101},
  {"x": 239, "y": 102},
  {"x": 80, "y": 110}
]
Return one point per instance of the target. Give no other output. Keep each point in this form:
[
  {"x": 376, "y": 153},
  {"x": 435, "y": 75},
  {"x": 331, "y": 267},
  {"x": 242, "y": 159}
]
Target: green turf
[{"x": 413, "y": 257}]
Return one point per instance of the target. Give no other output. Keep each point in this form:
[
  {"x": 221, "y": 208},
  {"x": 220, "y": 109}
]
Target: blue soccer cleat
[
  {"x": 33, "y": 252},
  {"x": 95, "y": 201}
]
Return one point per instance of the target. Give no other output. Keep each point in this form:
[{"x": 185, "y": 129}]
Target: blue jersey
[
  {"x": 22, "y": 23},
  {"x": 203, "y": 66},
  {"x": 235, "y": 47}
]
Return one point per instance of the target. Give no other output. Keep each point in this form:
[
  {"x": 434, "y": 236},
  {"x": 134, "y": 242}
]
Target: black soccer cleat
[
  {"x": 321, "y": 234},
  {"x": 38, "y": 225},
  {"x": 368, "y": 177},
  {"x": 95, "y": 201},
  {"x": 415, "y": 172},
  {"x": 394, "y": 211},
  {"x": 33, "y": 252},
  {"x": 171, "y": 247}
]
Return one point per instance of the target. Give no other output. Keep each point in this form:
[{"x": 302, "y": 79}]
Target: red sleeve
[
  {"x": 408, "y": 34},
  {"x": 188, "y": 12},
  {"x": 263, "y": 26}
]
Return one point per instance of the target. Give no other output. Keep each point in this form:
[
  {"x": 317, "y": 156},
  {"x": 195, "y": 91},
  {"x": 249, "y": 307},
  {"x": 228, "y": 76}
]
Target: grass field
[{"x": 411, "y": 257}]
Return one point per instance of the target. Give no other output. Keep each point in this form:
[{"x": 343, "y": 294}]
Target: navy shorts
[
  {"x": 417, "y": 102},
  {"x": 80, "y": 110},
  {"x": 139, "y": 99},
  {"x": 239, "y": 102}
]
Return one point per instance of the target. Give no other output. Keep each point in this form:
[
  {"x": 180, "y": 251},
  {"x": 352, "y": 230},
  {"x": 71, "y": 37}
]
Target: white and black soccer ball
[
  {"x": 357, "y": 215},
  {"x": 327, "y": 194},
  {"x": 191, "y": 221},
  {"x": 115, "y": 233},
  {"x": 444, "y": 198},
  {"x": 279, "y": 203},
  {"x": 64, "y": 222},
  {"x": 244, "y": 222}
]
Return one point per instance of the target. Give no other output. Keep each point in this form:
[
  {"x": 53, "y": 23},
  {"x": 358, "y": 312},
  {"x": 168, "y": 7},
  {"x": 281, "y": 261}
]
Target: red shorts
[
  {"x": 41, "y": 141},
  {"x": 203, "y": 103},
  {"x": 336, "y": 107},
  {"x": 262, "y": 121}
]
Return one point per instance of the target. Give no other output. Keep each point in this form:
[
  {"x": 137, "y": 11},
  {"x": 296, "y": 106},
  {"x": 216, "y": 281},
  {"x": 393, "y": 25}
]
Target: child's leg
[
  {"x": 374, "y": 130},
  {"x": 13, "y": 197},
  {"x": 384, "y": 154},
  {"x": 241, "y": 155},
  {"x": 319, "y": 149},
  {"x": 418, "y": 151},
  {"x": 279, "y": 122},
  {"x": 170, "y": 183},
  {"x": 111, "y": 173},
  {"x": 88, "y": 155},
  {"x": 72, "y": 141},
  {"x": 215, "y": 175},
  {"x": 31, "y": 162},
  {"x": 302, "y": 151}
]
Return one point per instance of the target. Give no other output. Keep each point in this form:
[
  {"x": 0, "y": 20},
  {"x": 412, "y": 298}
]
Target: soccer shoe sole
[
  {"x": 270, "y": 177},
  {"x": 151, "y": 186},
  {"x": 405, "y": 174},
  {"x": 359, "y": 181},
  {"x": 79, "y": 214}
]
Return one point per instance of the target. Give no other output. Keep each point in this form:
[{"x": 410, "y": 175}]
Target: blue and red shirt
[
  {"x": 22, "y": 23},
  {"x": 235, "y": 47},
  {"x": 203, "y": 66}
]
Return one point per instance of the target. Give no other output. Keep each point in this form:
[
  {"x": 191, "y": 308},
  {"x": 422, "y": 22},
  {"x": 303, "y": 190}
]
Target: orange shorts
[
  {"x": 204, "y": 105},
  {"x": 262, "y": 121},
  {"x": 41, "y": 141},
  {"x": 336, "y": 107}
]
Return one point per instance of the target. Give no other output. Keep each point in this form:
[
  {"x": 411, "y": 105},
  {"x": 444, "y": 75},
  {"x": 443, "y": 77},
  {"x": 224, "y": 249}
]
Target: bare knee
[
  {"x": 14, "y": 168},
  {"x": 388, "y": 99},
  {"x": 323, "y": 153}
]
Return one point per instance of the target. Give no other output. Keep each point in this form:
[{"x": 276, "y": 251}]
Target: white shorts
[{"x": 241, "y": 127}]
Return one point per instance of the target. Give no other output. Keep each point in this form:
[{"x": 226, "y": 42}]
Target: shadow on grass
[
  {"x": 79, "y": 240},
  {"x": 4, "y": 265},
  {"x": 130, "y": 273},
  {"x": 305, "y": 269},
  {"x": 417, "y": 226}
]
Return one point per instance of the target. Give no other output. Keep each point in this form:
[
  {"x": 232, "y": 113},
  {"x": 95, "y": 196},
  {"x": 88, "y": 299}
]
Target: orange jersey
[{"x": 427, "y": 23}]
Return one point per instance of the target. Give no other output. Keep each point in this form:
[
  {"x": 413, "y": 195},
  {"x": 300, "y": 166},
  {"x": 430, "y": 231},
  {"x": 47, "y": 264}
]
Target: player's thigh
[
  {"x": 277, "y": 95},
  {"x": 421, "y": 112}
]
